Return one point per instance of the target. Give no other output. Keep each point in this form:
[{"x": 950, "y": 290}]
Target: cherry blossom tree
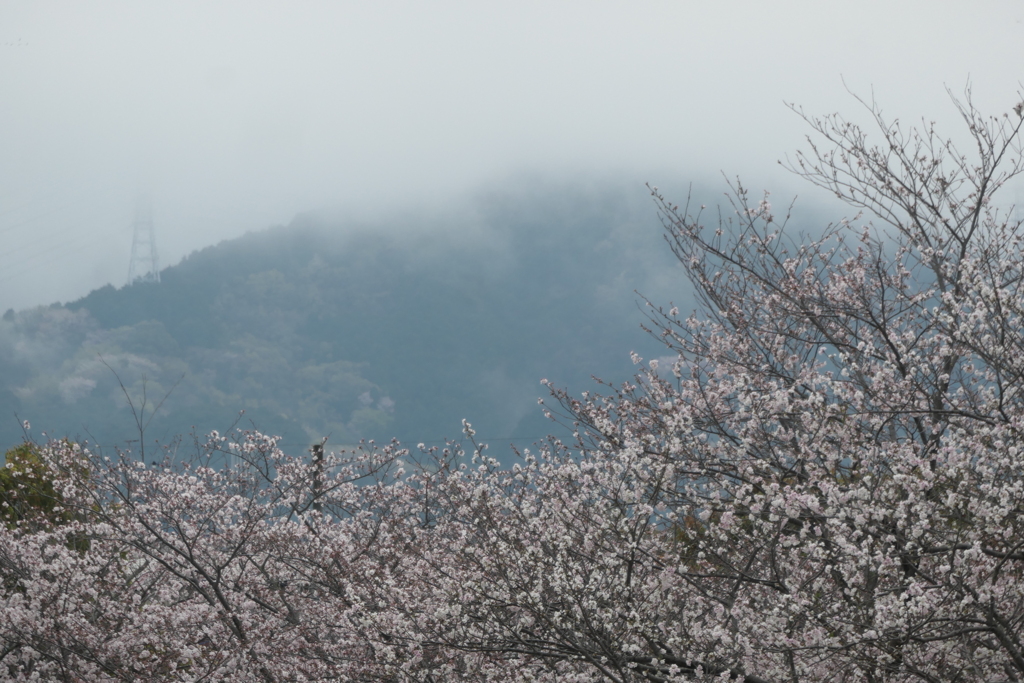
[
  {"x": 195, "y": 571},
  {"x": 826, "y": 482},
  {"x": 821, "y": 483}
]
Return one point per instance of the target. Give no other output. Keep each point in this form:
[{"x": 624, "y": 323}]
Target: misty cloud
[{"x": 237, "y": 116}]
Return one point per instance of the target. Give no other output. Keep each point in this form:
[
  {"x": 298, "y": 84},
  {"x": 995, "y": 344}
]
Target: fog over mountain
[
  {"x": 458, "y": 189},
  {"x": 237, "y": 115},
  {"x": 356, "y": 330}
]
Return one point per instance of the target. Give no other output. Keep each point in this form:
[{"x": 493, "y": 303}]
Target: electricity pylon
[{"x": 144, "y": 266}]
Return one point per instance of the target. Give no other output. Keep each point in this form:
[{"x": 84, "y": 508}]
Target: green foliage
[
  {"x": 29, "y": 499},
  {"x": 27, "y": 494}
]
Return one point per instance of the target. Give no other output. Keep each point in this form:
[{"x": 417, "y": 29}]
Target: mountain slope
[{"x": 358, "y": 330}]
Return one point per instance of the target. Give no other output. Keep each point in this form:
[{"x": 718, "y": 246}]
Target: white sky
[{"x": 236, "y": 116}]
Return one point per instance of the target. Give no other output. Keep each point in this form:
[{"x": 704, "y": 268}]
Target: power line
[
  {"x": 35, "y": 217},
  {"x": 64, "y": 249}
]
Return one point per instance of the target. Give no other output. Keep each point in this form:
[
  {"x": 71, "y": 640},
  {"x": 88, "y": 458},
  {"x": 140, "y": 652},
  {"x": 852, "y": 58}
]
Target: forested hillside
[{"x": 354, "y": 329}]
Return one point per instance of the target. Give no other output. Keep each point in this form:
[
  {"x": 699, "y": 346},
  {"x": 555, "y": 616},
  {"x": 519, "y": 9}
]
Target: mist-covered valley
[{"x": 353, "y": 329}]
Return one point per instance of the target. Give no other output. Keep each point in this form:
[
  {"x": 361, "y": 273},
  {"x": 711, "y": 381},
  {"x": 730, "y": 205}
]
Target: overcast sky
[{"x": 237, "y": 116}]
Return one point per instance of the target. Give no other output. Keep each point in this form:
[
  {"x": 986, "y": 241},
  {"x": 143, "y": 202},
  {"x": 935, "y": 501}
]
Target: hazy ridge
[{"x": 400, "y": 327}]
